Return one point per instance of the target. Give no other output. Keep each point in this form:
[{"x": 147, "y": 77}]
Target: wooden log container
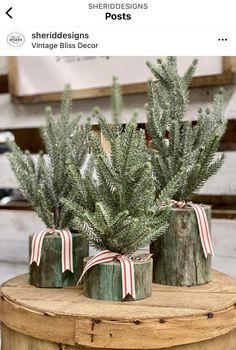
[
  {"x": 104, "y": 281},
  {"x": 49, "y": 273},
  {"x": 178, "y": 257},
  {"x": 176, "y": 318}
]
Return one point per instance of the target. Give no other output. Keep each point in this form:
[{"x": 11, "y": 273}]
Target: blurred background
[{"x": 29, "y": 84}]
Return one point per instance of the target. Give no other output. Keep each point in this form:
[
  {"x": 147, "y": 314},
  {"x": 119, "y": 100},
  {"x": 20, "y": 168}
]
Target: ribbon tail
[
  {"x": 36, "y": 249},
  {"x": 210, "y": 250},
  {"x": 67, "y": 250},
  {"x": 203, "y": 229},
  {"x": 128, "y": 281},
  {"x": 71, "y": 251},
  {"x": 124, "y": 278}
]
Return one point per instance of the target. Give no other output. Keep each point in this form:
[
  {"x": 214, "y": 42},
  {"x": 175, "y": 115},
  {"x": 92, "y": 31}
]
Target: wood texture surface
[
  {"x": 229, "y": 64},
  {"x": 12, "y": 340},
  {"x": 178, "y": 258},
  {"x": 172, "y": 316},
  {"x": 104, "y": 281},
  {"x": 16, "y": 341},
  {"x": 49, "y": 273}
]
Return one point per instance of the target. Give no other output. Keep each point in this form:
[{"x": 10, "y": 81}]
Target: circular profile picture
[{"x": 15, "y": 39}]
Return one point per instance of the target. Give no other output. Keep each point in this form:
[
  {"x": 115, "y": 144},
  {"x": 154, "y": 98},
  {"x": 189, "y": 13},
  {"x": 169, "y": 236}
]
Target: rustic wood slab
[
  {"x": 104, "y": 281},
  {"x": 200, "y": 317},
  {"x": 178, "y": 257},
  {"x": 49, "y": 273}
]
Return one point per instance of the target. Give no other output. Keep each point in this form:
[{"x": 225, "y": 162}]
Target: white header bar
[
  {"x": 109, "y": 27},
  {"x": 73, "y": 13}
]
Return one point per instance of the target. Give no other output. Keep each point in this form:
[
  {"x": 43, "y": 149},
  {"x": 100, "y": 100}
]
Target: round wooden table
[{"x": 195, "y": 318}]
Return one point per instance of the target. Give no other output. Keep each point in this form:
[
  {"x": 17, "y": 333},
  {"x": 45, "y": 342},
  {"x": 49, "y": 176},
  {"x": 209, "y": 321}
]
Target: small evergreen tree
[
  {"x": 44, "y": 181},
  {"x": 117, "y": 210},
  {"x": 178, "y": 147}
]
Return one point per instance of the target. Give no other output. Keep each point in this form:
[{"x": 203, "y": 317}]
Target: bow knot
[{"x": 178, "y": 204}]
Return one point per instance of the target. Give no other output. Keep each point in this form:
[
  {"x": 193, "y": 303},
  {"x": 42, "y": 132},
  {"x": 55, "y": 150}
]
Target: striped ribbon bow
[
  {"x": 202, "y": 225},
  {"x": 66, "y": 240},
  {"x": 127, "y": 270}
]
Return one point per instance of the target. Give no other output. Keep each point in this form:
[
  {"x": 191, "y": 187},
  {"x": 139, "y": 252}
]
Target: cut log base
[
  {"x": 104, "y": 281},
  {"x": 49, "y": 273},
  {"x": 178, "y": 257}
]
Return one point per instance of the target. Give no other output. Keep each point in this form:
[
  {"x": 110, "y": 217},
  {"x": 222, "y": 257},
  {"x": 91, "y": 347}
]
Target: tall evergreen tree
[
  {"x": 43, "y": 180},
  {"x": 178, "y": 147},
  {"x": 118, "y": 209}
]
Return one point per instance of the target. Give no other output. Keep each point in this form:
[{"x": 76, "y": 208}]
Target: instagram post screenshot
[{"x": 117, "y": 175}]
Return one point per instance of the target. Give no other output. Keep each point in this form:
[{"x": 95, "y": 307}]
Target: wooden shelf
[
  {"x": 203, "y": 316},
  {"x": 4, "y": 84},
  {"x": 226, "y": 78}
]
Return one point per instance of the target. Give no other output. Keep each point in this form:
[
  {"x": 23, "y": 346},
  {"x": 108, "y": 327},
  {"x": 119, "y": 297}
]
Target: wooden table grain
[{"x": 195, "y": 318}]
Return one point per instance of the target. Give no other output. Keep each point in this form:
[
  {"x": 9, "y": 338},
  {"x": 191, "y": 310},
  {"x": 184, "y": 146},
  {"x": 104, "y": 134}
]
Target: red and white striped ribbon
[
  {"x": 202, "y": 225},
  {"x": 127, "y": 270},
  {"x": 66, "y": 255}
]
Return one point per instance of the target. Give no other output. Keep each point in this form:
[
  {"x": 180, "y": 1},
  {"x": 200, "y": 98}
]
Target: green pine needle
[
  {"x": 44, "y": 181},
  {"x": 119, "y": 210},
  {"x": 180, "y": 150}
]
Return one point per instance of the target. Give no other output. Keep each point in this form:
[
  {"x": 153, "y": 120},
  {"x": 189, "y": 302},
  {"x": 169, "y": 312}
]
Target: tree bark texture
[
  {"x": 178, "y": 257},
  {"x": 49, "y": 273},
  {"x": 104, "y": 281}
]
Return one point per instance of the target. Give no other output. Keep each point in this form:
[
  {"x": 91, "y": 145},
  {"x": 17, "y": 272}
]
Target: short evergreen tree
[
  {"x": 117, "y": 210},
  {"x": 44, "y": 181},
  {"x": 178, "y": 147}
]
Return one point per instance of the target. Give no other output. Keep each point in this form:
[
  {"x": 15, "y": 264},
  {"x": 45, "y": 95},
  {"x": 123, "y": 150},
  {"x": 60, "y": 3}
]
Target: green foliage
[
  {"x": 116, "y": 102},
  {"x": 181, "y": 149},
  {"x": 117, "y": 208},
  {"x": 44, "y": 181}
]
